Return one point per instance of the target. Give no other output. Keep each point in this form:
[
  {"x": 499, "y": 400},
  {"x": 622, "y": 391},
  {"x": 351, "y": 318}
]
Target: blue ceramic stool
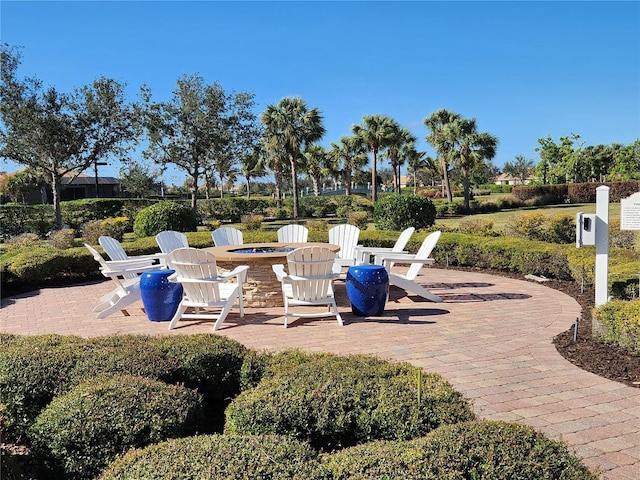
[
  {"x": 367, "y": 289},
  {"x": 160, "y": 297}
]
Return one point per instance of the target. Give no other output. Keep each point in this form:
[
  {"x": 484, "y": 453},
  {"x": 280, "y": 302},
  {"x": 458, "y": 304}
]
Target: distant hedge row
[{"x": 576, "y": 192}]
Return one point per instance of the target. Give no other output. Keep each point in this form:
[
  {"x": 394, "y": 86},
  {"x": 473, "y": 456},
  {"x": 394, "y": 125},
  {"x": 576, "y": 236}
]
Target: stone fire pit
[{"x": 262, "y": 288}]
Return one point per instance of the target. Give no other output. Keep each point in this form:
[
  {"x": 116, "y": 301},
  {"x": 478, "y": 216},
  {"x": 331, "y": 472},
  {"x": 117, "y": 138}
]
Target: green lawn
[{"x": 501, "y": 219}]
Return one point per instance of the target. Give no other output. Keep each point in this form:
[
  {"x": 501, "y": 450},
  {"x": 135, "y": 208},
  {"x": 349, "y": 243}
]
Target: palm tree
[
  {"x": 351, "y": 152},
  {"x": 376, "y": 132},
  {"x": 396, "y": 151},
  {"x": 275, "y": 161},
  {"x": 470, "y": 148},
  {"x": 252, "y": 165},
  {"x": 316, "y": 160},
  {"x": 440, "y": 141},
  {"x": 292, "y": 125},
  {"x": 416, "y": 162}
]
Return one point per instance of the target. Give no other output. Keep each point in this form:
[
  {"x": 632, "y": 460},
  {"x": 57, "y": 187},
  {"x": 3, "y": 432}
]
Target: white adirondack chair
[
  {"x": 227, "y": 236},
  {"x": 346, "y": 237},
  {"x": 125, "y": 275},
  {"x": 114, "y": 249},
  {"x": 293, "y": 234},
  {"x": 309, "y": 282},
  {"x": 363, "y": 254},
  {"x": 204, "y": 288},
  {"x": 407, "y": 281},
  {"x": 170, "y": 240}
]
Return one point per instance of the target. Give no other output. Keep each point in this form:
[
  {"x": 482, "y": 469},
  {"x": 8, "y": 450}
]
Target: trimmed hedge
[
  {"x": 482, "y": 450},
  {"x": 397, "y": 212},
  {"x": 336, "y": 401},
  {"x": 81, "y": 431},
  {"x": 227, "y": 457},
  {"x": 33, "y": 370},
  {"x": 619, "y": 323}
]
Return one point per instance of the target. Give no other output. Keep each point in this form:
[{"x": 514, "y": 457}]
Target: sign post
[{"x": 602, "y": 245}]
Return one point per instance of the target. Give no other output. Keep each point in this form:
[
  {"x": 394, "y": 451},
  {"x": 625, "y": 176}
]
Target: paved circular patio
[{"x": 491, "y": 338}]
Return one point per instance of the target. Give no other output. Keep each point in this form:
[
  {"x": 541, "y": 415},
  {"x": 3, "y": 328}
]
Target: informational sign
[{"x": 630, "y": 212}]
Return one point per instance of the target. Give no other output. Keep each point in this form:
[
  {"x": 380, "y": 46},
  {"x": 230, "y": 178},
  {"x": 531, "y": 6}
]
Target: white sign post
[{"x": 602, "y": 245}]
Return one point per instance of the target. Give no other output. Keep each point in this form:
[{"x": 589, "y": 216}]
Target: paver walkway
[{"x": 491, "y": 338}]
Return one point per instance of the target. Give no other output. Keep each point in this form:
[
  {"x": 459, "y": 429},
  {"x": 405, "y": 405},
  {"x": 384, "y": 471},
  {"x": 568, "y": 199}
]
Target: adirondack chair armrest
[
  {"x": 159, "y": 257},
  {"x": 331, "y": 276},
  {"x": 119, "y": 267},
  {"x": 278, "y": 269},
  {"x": 240, "y": 272},
  {"x": 401, "y": 258}
]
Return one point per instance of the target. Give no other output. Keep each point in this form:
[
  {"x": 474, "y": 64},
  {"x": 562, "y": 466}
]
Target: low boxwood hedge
[
  {"x": 83, "y": 430},
  {"x": 618, "y": 322},
  {"x": 482, "y": 450},
  {"x": 336, "y": 401},
  {"x": 228, "y": 457}
]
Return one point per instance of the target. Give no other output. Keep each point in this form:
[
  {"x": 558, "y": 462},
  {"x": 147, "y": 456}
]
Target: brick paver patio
[{"x": 491, "y": 338}]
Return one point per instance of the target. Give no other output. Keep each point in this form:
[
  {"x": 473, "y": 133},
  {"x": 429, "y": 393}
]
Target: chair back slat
[
  {"x": 227, "y": 236},
  {"x": 315, "y": 264},
  {"x": 428, "y": 244},
  {"x": 403, "y": 239},
  {"x": 346, "y": 237},
  {"x": 170, "y": 240},
  {"x": 293, "y": 233},
  {"x": 114, "y": 249},
  {"x": 192, "y": 264}
]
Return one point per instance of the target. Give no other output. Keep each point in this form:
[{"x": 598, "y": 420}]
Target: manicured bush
[
  {"x": 34, "y": 265},
  {"x": 149, "y": 361},
  {"x": 165, "y": 215},
  {"x": 359, "y": 219},
  {"x": 228, "y": 457},
  {"x": 207, "y": 362},
  {"x": 619, "y": 323},
  {"x": 476, "y": 226},
  {"x": 81, "y": 431},
  {"x": 336, "y": 401},
  {"x": 397, "y": 212},
  {"x": 481, "y": 450},
  {"x": 24, "y": 240},
  {"x": 62, "y": 239},
  {"x": 33, "y": 370},
  {"x": 252, "y": 221}
]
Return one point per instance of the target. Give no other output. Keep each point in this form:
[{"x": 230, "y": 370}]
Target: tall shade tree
[
  {"x": 348, "y": 155},
  {"x": 137, "y": 180},
  {"x": 376, "y": 131},
  {"x": 520, "y": 168},
  {"x": 441, "y": 142},
  {"x": 58, "y": 133},
  {"x": 396, "y": 152},
  {"x": 198, "y": 126},
  {"x": 470, "y": 148},
  {"x": 292, "y": 126}
]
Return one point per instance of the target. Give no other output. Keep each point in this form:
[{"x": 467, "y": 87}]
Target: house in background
[
  {"x": 82, "y": 186},
  {"x": 505, "y": 179}
]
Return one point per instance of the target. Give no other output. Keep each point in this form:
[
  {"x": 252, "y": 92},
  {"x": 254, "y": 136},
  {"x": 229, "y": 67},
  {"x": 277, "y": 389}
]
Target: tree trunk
[
  {"x": 277, "y": 175},
  {"x": 248, "y": 188},
  {"x": 55, "y": 189},
  {"x": 294, "y": 185},
  {"x": 347, "y": 182},
  {"x": 465, "y": 186},
  {"x": 374, "y": 193},
  {"x": 194, "y": 192},
  {"x": 316, "y": 187},
  {"x": 415, "y": 184},
  {"x": 445, "y": 180}
]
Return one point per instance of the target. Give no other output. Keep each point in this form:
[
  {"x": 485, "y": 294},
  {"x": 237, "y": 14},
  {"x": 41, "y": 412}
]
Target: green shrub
[
  {"x": 252, "y": 222},
  {"x": 62, "y": 239},
  {"x": 476, "y": 226},
  {"x": 397, "y": 212},
  {"x": 36, "y": 264},
  {"x": 359, "y": 219},
  {"x": 115, "y": 227},
  {"x": 128, "y": 359},
  {"x": 316, "y": 226},
  {"x": 335, "y": 401},
  {"x": 81, "y": 431},
  {"x": 629, "y": 239},
  {"x": 33, "y": 370},
  {"x": 470, "y": 450},
  {"x": 165, "y": 215},
  {"x": 208, "y": 362},
  {"x": 24, "y": 240},
  {"x": 619, "y": 323},
  {"x": 227, "y": 457}
]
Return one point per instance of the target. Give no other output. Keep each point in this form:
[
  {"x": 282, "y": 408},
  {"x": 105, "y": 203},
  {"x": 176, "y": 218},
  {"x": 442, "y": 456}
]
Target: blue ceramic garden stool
[
  {"x": 367, "y": 289},
  {"x": 160, "y": 297}
]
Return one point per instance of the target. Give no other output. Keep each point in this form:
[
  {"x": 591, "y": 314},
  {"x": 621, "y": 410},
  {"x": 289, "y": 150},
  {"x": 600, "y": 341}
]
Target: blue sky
[{"x": 524, "y": 70}]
